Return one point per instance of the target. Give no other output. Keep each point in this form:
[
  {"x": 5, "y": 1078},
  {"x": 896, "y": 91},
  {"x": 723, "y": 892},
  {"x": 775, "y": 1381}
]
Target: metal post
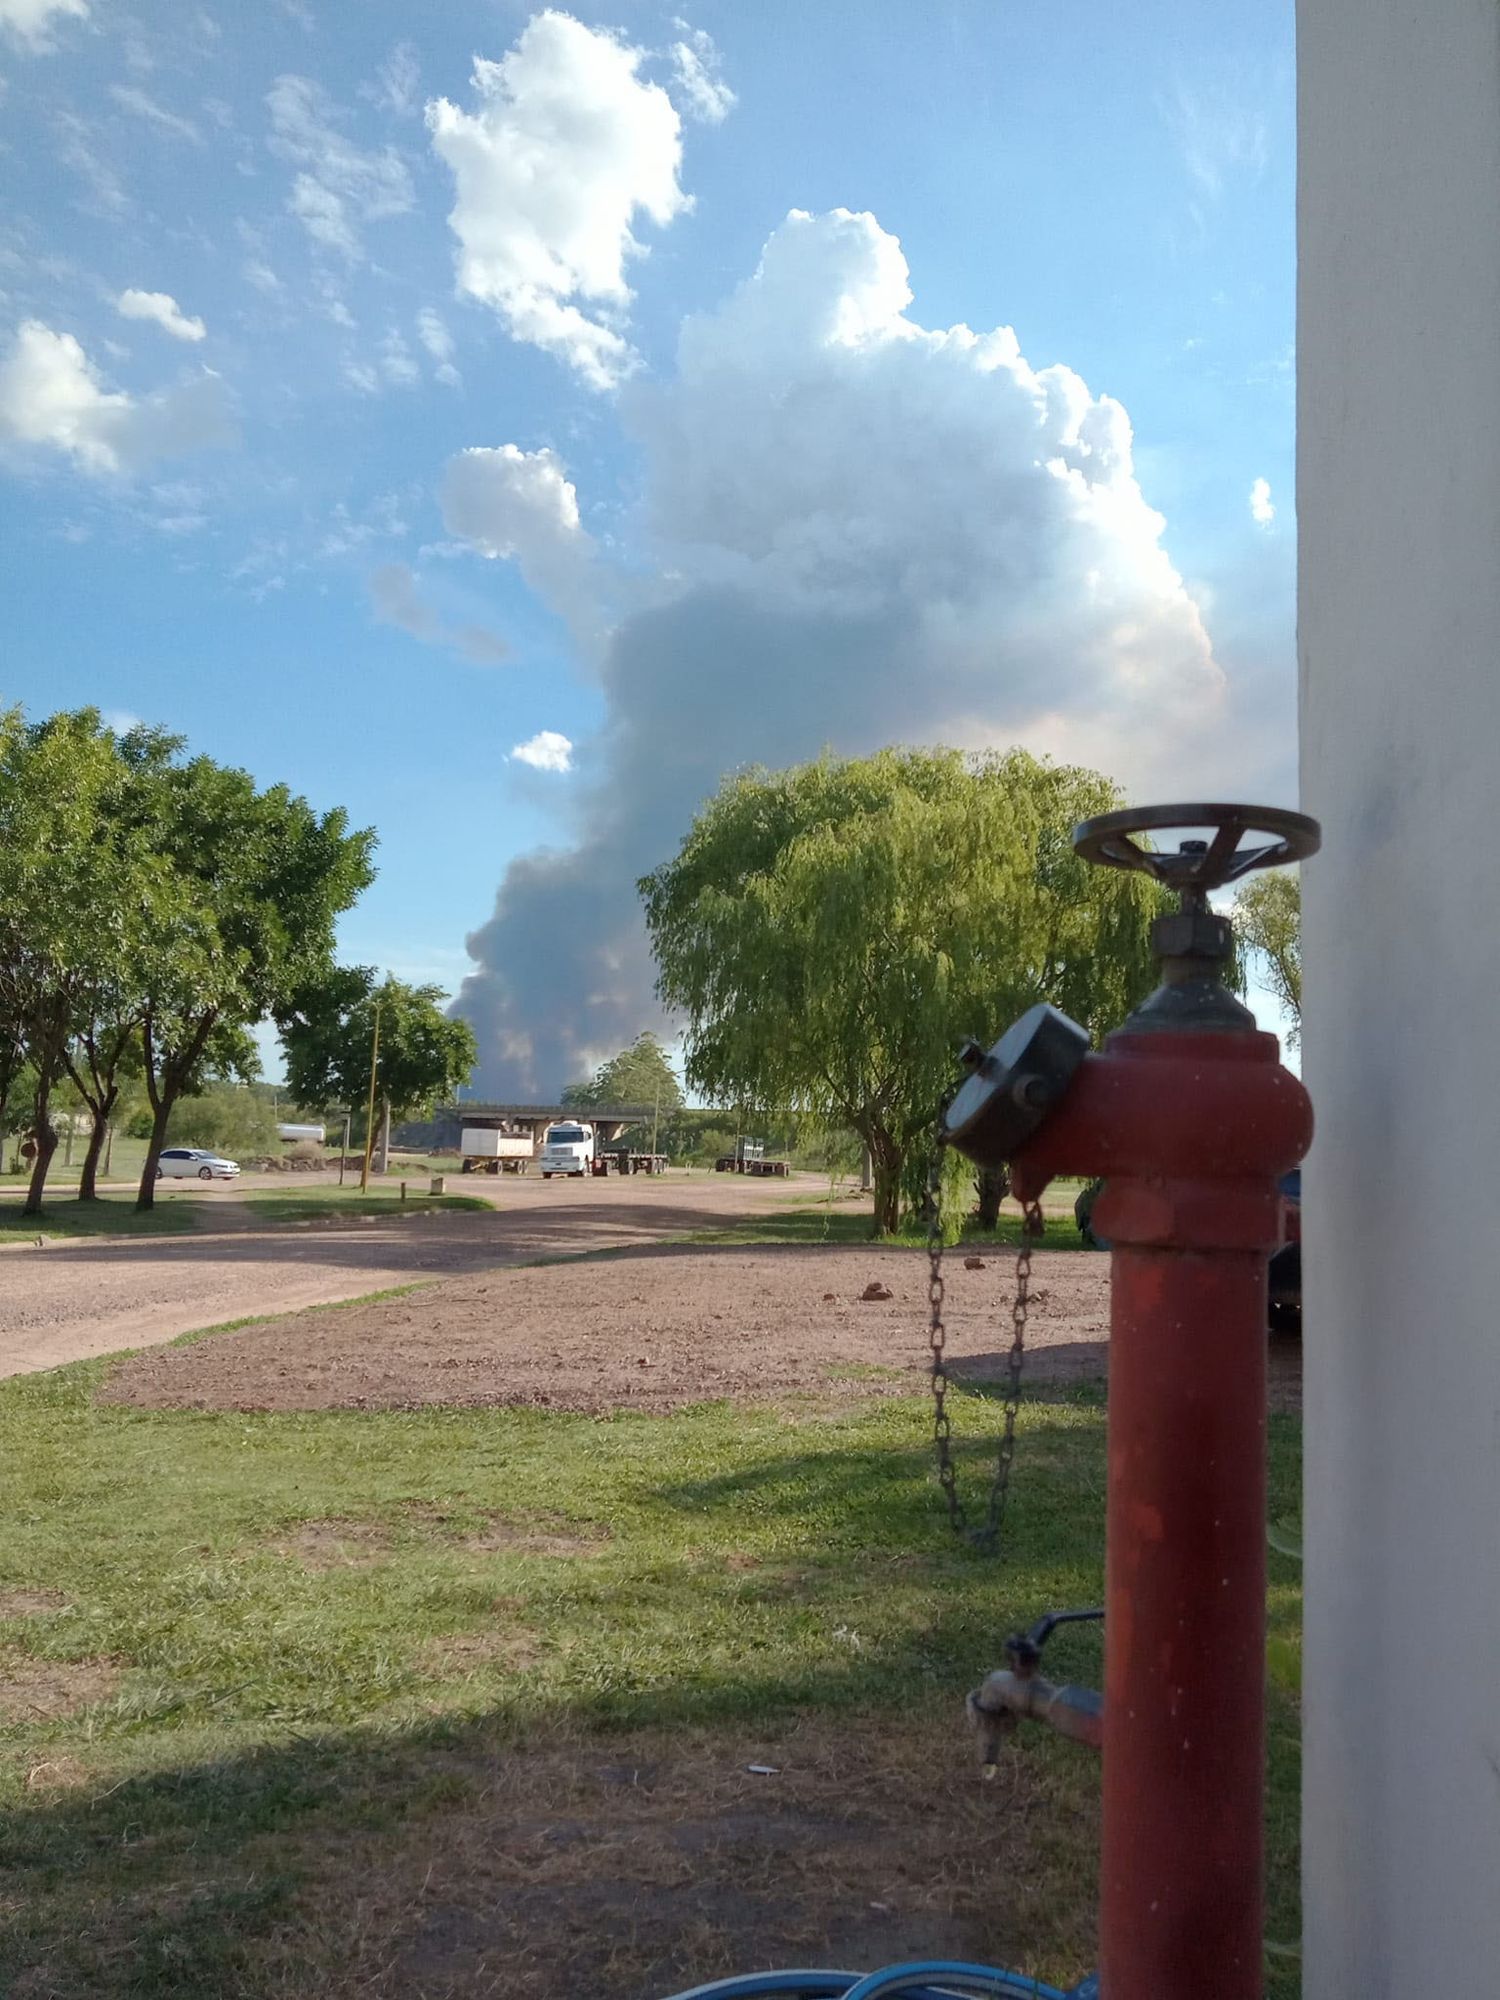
[{"x": 364, "y": 1174}]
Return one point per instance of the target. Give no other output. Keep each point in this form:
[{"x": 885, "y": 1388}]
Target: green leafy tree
[
  {"x": 258, "y": 880},
  {"x": 76, "y": 896},
  {"x": 109, "y": 1006},
  {"x": 228, "y": 1117},
  {"x": 641, "y": 1074},
  {"x": 328, "y": 1033},
  {"x": 1268, "y": 922},
  {"x": 832, "y": 932}
]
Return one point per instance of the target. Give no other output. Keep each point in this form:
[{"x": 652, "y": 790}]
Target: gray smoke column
[{"x": 856, "y": 531}]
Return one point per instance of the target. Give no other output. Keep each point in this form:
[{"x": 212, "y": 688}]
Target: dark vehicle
[
  {"x": 1286, "y": 1265},
  {"x": 1285, "y": 1274},
  {"x": 749, "y": 1157}
]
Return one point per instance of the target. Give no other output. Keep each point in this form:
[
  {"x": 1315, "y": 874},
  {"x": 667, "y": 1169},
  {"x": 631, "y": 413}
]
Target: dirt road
[{"x": 70, "y": 1300}]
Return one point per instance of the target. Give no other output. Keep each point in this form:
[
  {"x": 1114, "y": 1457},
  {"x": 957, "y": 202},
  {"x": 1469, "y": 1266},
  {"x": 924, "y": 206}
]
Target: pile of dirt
[{"x": 649, "y": 1331}]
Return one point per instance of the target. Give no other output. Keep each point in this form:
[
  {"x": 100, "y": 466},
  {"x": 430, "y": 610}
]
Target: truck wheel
[{"x": 546, "y": 1176}]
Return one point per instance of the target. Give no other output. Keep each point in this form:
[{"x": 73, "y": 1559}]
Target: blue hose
[{"x": 915, "y": 1981}]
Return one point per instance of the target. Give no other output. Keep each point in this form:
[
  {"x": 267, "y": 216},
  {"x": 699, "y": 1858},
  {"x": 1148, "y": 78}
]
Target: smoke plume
[{"x": 856, "y": 531}]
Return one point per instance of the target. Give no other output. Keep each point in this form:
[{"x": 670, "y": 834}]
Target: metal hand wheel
[{"x": 1198, "y": 865}]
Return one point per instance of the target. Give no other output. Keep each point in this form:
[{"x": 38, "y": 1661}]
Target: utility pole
[
  {"x": 343, "y": 1149},
  {"x": 656, "y": 1116},
  {"x": 364, "y": 1177}
]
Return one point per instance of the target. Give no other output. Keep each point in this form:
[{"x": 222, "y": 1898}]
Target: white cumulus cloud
[
  {"x": 696, "y": 65},
  {"x": 521, "y": 506},
  {"x": 546, "y": 751},
  {"x": 339, "y": 185},
  {"x": 855, "y": 530},
  {"x": 31, "y": 22},
  {"x": 565, "y": 147},
  {"x": 163, "y": 310},
  {"x": 51, "y": 395},
  {"x": 1262, "y": 511}
]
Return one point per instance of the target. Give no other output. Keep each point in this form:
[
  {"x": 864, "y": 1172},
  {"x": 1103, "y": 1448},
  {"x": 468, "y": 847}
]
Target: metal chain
[{"x": 986, "y": 1537}]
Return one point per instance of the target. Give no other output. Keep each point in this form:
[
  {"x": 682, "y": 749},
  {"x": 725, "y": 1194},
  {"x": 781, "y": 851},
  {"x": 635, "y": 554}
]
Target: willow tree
[
  {"x": 1268, "y": 920},
  {"x": 832, "y": 932}
]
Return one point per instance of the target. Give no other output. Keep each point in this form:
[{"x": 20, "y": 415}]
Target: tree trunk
[
  {"x": 161, "y": 1112},
  {"x": 885, "y": 1158},
  {"x": 992, "y": 1185},
  {"x": 45, "y": 1135},
  {"x": 89, "y": 1171},
  {"x": 385, "y": 1136}
]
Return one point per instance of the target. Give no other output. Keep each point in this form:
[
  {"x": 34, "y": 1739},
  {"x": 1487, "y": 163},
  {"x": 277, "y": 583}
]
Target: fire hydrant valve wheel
[{"x": 1203, "y": 865}]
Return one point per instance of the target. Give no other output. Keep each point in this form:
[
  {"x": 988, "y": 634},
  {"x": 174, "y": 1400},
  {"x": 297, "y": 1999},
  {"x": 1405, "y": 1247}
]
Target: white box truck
[
  {"x": 488, "y": 1152},
  {"x": 567, "y": 1149}
]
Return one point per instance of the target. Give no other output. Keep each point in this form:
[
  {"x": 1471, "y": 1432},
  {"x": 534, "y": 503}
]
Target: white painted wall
[{"x": 1399, "y": 634}]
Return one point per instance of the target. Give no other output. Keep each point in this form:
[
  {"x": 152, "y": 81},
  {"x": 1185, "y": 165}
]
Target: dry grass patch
[
  {"x": 33, "y": 1690},
  {"x": 322, "y": 1545},
  {"x": 634, "y": 1866},
  {"x": 54, "y": 1775},
  {"x": 461, "y": 1655},
  {"x": 31, "y": 1603}
]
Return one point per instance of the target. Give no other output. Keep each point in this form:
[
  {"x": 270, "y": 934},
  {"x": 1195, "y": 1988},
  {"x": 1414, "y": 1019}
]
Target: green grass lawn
[
  {"x": 175, "y": 1210},
  {"x": 316, "y": 1655},
  {"x": 127, "y": 1157},
  {"x": 110, "y": 1215}
]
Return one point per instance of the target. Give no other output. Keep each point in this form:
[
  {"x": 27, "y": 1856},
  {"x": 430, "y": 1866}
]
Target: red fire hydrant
[{"x": 1190, "y": 1115}]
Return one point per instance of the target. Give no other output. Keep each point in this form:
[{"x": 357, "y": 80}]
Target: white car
[{"x": 184, "y": 1162}]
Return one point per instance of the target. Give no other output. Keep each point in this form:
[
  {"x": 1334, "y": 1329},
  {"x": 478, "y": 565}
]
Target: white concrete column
[{"x": 1398, "y": 492}]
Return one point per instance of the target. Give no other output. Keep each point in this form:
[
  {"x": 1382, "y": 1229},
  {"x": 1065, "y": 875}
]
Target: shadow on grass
[
  {"x": 464, "y": 1854},
  {"x": 336, "y": 1206},
  {"x": 110, "y": 1215},
  {"x": 798, "y": 1224}
]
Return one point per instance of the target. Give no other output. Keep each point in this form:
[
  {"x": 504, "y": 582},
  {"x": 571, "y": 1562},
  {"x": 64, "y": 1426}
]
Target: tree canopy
[
  {"x": 640, "y": 1074},
  {"x": 328, "y": 1031},
  {"x": 832, "y": 932},
  {"x": 152, "y": 910},
  {"x": 1268, "y": 920}
]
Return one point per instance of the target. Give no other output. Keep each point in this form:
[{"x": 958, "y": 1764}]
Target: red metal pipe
[{"x": 1193, "y": 1130}]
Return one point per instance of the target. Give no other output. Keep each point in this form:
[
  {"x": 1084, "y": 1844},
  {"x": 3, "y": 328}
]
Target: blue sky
[{"x": 267, "y": 274}]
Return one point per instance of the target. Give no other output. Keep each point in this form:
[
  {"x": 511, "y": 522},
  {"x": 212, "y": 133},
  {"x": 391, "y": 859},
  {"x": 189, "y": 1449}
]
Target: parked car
[
  {"x": 1285, "y": 1274},
  {"x": 191, "y": 1162}
]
